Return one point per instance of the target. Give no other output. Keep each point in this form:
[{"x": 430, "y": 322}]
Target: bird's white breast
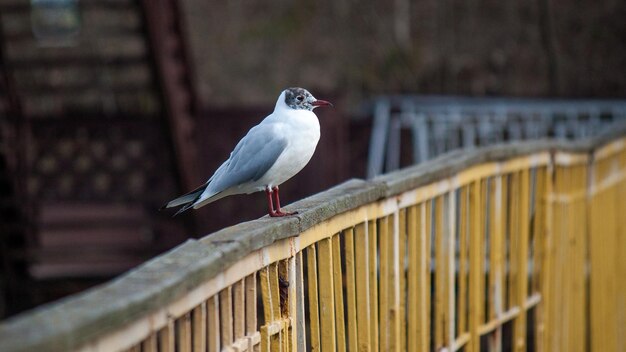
[{"x": 301, "y": 128}]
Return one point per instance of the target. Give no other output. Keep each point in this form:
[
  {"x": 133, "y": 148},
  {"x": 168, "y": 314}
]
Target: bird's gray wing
[{"x": 252, "y": 157}]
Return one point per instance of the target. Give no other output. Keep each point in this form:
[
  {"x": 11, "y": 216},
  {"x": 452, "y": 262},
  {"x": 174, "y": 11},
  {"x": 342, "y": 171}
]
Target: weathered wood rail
[{"x": 511, "y": 247}]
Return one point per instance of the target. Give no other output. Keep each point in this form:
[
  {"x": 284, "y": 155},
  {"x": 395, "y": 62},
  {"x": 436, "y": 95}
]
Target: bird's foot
[{"x": 280, "y": 213}]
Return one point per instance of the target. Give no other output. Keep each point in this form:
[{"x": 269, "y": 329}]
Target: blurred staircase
[{"x": 86, "y": 157}]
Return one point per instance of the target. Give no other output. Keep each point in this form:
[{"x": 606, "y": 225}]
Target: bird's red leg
[
  {"x": 278, "y": 211},
  {"x": 268, "y": 193}
]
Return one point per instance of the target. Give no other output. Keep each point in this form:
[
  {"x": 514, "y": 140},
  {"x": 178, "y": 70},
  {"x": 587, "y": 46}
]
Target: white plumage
[{"x": 271, "y": 153}]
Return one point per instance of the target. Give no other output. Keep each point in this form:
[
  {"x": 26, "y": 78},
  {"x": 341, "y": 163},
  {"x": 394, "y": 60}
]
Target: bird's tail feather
[
  {"x": 195, "y": 204},
  {"x": 184, "y": 208},
  {"x": 192, "y": 199},
  {"x": 186, "y": 198}
]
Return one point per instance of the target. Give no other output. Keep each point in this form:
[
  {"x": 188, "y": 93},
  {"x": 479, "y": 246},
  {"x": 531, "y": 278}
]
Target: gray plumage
[{"x": 269, "y": 154}]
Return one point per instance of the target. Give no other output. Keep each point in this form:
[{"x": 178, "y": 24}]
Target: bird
[{"x": 272, "y": 152}]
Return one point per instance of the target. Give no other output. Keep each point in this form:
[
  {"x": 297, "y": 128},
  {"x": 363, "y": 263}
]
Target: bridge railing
[
  {"x": 514, "y": 246},
  {"x": 438, "y": 124}
]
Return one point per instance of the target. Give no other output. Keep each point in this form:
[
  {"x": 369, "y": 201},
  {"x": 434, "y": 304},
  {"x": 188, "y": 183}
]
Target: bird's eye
[{"x": 300, "y": 97}]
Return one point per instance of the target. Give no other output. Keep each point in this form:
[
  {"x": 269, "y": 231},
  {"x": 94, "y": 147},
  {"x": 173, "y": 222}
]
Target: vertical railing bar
[
  {"x": 239, "y": 303},
  {"x": 598, "y": 239},
  {"x": 483, "y": 225},
  {"x": 547, "y": 278},
  {"x": 373, "y": 282},
  {"x": 492, "y": 253},
  {"x": 266, "y": 339},
  {"x": 183, "y": 333},
  {"x": 567, "y": 269},
  {"x": 503, "y": 230},
  {"x": 384, "y": 287},
  {"x": 199, "y": 320},
  {"x": 276, "y": 274},
  {"x": 621, "y": 234},
  {"x": 414, "y": 273},
  {"x": 489, "y": 260},
  {"x": 268, "y": 310},
  {"x": 618, "y": 335},
  {"x": 596, "y": 273},
  {"x": 313, "y": 297},
  {"x": 579, "y": 259},
  {"x": 540, "y": 256},
  {"x": 497, "y": 258},
  {"x": 275, "y": 339},
  {"x": 282, "y": 290},
  {"x": 151, "y": 344},
  {"x": 268, "y": 307},
  {"x": 450, "y": 267},
  {"x": 251, "y": 304},
  {"x": 338, "y": 285},
  {"x": 559, "y": 231},
  {"x": 617, "y": 311},
  {"x": 554, "y": 263},
  {"x": 566, "y": 261},
  {"x": 402, "y": 256},
  {"x": 514, "y": 227},
  {"x": 539, "y": 231},
  {"x": 378, "y": 140},
  {"x": 274, "y": 291},
  {"x": 299, "y": 297},
  {"x": 326, "y": 294},
  {"x": 293, "y": 302},
  {"x": 440, "y": 276},
  {"x": 394, "y": 281},
  {"x": 572, "y": 263},
  {"x": 213, "y": 324},
  {"x": 226, "y": 316},
  {"x": 363, "y": 313},
  {"x": 425, "y": 263},
  {"x": 351, "y": 297},
  {"x": 582, "y": 259},
  {"x": 532, "y": 233},
  {"x": 394, "y": 143},
  {"x": 605, "y": 251},
  {"x": 604, "y": 274},
  {"x": 475, "y": 306},
  {"x": 586, "y": 256},
  {"x": 506, "y": 240},
  {"x": 522, "y": 269},
  {"x": 462, "y": 274},
  {"x": 167, "y": 337}
]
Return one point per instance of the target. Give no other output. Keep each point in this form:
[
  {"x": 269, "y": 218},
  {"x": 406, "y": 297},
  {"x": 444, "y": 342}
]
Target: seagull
[{"x": 270, "y": 153}]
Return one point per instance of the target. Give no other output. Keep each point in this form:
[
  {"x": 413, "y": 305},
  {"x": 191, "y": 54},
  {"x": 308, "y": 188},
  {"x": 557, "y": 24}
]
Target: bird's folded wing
[{"x": 253, "y": 156}]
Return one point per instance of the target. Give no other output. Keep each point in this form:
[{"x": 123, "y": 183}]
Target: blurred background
[{"x": 110, "y": 108}]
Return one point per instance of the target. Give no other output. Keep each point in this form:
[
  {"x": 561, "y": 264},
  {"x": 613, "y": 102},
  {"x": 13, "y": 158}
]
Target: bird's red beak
[{"x": 320, "y": 102}]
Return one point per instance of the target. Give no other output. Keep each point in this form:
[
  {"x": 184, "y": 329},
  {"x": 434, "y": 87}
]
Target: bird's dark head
[{"x": 301, "y": 99}]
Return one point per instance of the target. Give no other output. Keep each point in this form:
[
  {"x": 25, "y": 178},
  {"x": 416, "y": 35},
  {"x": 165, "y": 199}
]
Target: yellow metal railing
[{"x": 507, "y": 248}]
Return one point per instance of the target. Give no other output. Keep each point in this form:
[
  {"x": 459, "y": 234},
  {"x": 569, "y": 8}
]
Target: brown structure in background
[{"x": 87, "y": 156}]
